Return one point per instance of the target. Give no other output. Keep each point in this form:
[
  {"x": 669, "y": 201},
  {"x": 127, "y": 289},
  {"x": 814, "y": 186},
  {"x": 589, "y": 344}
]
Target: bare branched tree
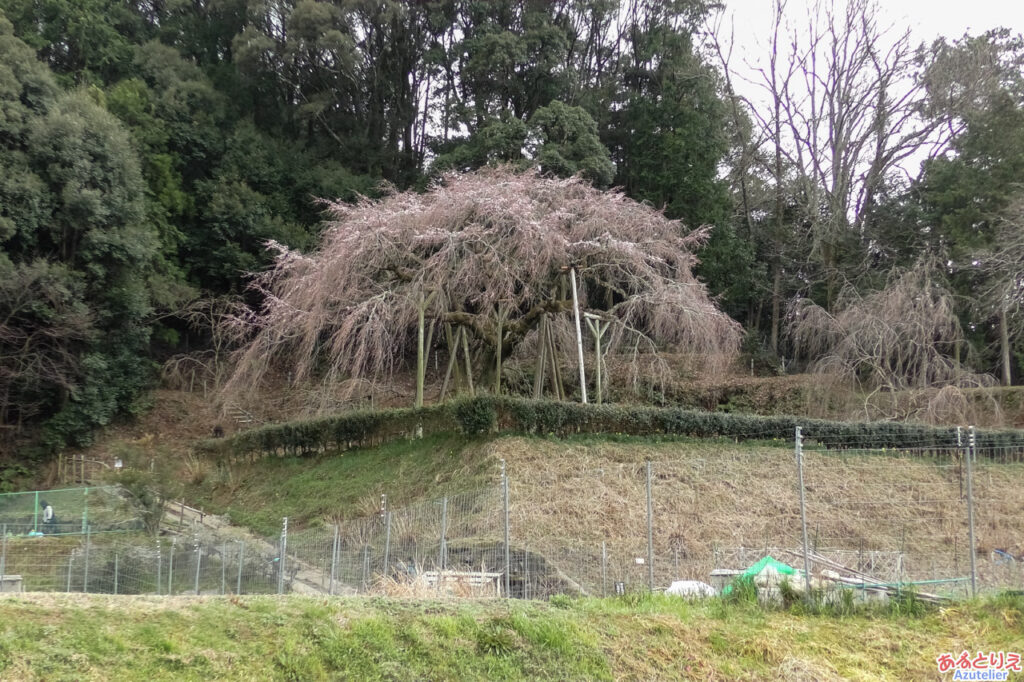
[
  {"x": 848, "y": 101},
  {"x": 904, "y": 336},
  {"x": 480, "y": 260},
  {"x": 43, "y": 328},
  {"x": 1003, "y": 290},
  {"x": 207, "y": 317}
]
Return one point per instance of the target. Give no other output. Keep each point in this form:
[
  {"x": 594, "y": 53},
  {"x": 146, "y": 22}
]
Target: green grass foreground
[{"x": 89, "y": 637}]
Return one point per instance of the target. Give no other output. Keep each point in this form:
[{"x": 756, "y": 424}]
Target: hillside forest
[{"x": 862, "y": 216}]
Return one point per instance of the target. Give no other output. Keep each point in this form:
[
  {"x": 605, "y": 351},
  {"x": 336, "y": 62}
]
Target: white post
[
  {"x": 579, "y": 335},
  {"x": 803, "y": 510},
  {"x": 972, "y": 444}
]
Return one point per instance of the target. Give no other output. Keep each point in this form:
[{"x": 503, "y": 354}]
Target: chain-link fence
[
  {"x": 69, "y": 511},
  {"x": 943, "y": 522}
]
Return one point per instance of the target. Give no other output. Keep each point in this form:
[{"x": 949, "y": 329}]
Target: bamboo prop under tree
[
  {"x": 538, "y": 377},
  {"x": 556, "y": 372},
  {"x": 456, "y": 342},
  {"x": 430, "y": 342},
  {"x": 597, "y": 327},
  {"x": 546, "y": 355},
  {"x": 421, "y": 358},
  {"x": 451, "y": 361},
  {"x": 557, "y": 387}
]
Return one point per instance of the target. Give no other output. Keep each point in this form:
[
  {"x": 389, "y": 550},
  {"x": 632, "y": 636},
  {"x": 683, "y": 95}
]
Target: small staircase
[{"x": 240, "y": 416}]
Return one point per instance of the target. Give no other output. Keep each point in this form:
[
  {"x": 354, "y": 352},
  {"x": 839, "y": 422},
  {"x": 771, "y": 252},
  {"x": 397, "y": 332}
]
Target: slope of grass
[
  {"x": 60, "y": 637},
  {"x": 347, "y": 485},
  {"x": 576, "y": 493}
]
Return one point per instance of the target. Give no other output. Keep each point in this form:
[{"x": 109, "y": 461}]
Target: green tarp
[{"x": 783, "y": 569}]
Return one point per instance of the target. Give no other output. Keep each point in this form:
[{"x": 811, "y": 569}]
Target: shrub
[{"x": 489, "y": 414}]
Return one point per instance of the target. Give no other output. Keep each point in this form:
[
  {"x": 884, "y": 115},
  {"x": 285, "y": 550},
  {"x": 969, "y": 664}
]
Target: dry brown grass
[
  {"x": 710, "y": 496},
  {"x": 416, "y": 586}
]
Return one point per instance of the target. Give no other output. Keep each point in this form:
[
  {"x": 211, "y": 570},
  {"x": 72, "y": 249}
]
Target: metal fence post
[
  {"x": 334, "y": 560},
  {"x": 799, "y": 447},
  {"x": 199, "y": 561},
  {"x": 35, "y": 513},
  {"x": 85, "y": 577},
  {"x": 508, "y": 562},
  {"x": 241, "y": 562},
  {"x": 526, "y": 571},
  {"x": 159, "y": 568},
  {"x": 960, "y": 451},
  {"x": 442, "y": 555},
  {"x": 650, "y": 532},
  {"x": 170, "y": 569},
  {"x": 366, "y": 567},
  {"x": 283, "y": 546},
  {"x": 223, "y": 567},
  {"x": 3, "y": 551},
  {"x": 115, "y": 572},
  {"x": 71, "y": 561},
  {"x": 387, "y": 542},
  {"x": 604, "y": 568},
  {"x": 971, "y": 448}
]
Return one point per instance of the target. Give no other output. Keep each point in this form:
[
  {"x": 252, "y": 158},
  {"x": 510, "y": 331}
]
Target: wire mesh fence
[
  {"x": 943, "y": 522},
  {"x": 72, "y": 510},
  {"x": 998, "y": 514}
]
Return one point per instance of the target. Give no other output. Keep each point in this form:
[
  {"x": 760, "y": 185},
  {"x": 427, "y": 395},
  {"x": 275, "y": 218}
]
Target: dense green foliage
[
  {"x": 488, "y": 414},
  {"x": 149, "y": 151},
  {"x": 78, "y": 258}
]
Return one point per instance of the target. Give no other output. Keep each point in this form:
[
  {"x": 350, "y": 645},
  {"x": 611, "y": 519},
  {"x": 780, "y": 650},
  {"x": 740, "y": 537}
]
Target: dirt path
[{"x": 180, "y": 519}]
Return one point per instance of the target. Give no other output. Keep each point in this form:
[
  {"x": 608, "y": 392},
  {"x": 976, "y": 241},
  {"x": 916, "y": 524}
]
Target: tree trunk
[
  {"x": 776, "y": 306},
  {"x": 497, "y": 354},
  {"x": 452, "y": 355},
  {"x": 469, "y": 366},
  {"x": 1004, "y": 347},
  {"x": 421, "y": 360}
]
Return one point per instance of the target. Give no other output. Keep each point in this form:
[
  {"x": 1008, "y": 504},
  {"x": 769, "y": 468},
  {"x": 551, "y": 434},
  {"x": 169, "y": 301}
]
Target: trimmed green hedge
[{"x": 489, "y": 414}]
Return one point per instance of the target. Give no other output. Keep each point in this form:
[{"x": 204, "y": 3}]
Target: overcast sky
[
  {"x": 751, "y": 21},
  {"x": 927, "y": 19}
]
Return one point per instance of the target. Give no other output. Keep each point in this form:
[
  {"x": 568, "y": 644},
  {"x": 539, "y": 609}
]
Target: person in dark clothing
[{"x": 49, "y": 520}]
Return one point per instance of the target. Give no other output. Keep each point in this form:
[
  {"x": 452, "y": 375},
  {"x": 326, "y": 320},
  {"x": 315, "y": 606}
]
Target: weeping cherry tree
[
  {"x": 481, "y": 262},
  {"x": 906, "y": 335}
]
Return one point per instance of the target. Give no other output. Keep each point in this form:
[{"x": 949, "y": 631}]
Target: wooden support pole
[
  {"x": 579, "y": 337},
  {"x": 469, "y": 365},
  {"x": 542, "y": 352}
]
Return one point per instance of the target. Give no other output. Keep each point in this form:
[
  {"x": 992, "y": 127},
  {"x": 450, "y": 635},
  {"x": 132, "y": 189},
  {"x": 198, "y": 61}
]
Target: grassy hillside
[
  {"x": 568, "y": 496},
  {"x": 349, "y": 485},
  {"x": 61, "y": 637}
]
